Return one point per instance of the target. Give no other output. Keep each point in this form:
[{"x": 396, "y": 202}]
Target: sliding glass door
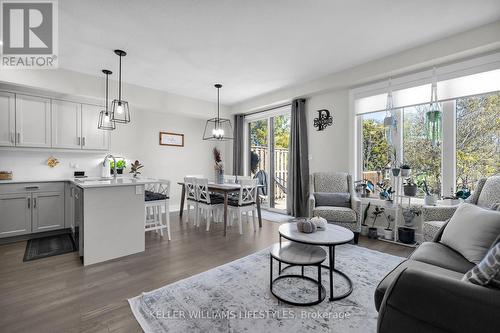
[{"x": 267, "y": 145}]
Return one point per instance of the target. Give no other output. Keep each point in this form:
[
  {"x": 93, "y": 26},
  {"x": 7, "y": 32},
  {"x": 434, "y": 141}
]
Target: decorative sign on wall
[
  {"x": 171, "y": 139},
  {"x": 324, "y": 119}
]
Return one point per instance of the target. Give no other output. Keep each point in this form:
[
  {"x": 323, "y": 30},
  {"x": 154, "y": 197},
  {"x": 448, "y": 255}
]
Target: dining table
[{"x": 225, "y": 189}]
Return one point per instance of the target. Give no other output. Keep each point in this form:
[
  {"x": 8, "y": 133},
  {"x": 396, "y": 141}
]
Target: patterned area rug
[
  {"x": 275, "y": 217},
  {"x": 235, "y": 297}
]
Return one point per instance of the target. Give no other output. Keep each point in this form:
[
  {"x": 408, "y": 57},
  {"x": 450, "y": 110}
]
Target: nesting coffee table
[{"x": 332, "y": 236}]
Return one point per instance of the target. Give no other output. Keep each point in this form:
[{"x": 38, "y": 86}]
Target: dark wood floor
[{"x": 58, "y": 294}]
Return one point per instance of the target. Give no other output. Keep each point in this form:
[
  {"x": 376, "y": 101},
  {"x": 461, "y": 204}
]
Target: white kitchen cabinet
[
  {"x": 7, "y": 119},
  {"x": 48, "y": 211},
  {"x": 33, "y": 125},
  {"x": 66, "y": 124},
  {"x": 92, "y": 137},
  {"x": 15, "y": 218}
]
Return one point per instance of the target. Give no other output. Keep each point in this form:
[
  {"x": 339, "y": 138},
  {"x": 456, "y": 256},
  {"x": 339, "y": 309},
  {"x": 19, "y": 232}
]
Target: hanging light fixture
[
  {"x": 105, "y": 122},
  {"x": 218, "y": 128},
  {"x": 120, "y": 112},
  {"x": 433, "y": 116},
  {"x": 390, "y": 121}
]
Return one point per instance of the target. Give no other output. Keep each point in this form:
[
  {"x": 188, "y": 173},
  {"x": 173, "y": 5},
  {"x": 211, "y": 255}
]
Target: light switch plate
[{"x": 139, "y": 189}]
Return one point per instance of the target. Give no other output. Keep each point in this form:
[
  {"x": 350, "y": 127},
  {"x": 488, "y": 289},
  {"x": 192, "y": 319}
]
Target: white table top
[{"x": 332, "y": 235}]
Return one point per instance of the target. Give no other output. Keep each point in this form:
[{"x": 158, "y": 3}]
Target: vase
[
  {"x": 219, "y": 176},
  {"x": 372, "y": 233},
  {"x": 405, "y": 172},
  {"x": 364, "y": 230},
  {"x": 388, "y": 234},
  {"x": 410, "y": 190},
  {"x": 430, "y": 200}
]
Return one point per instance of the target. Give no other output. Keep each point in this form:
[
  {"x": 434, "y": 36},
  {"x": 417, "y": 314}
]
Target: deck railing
[{"x": 280, "y": 167}]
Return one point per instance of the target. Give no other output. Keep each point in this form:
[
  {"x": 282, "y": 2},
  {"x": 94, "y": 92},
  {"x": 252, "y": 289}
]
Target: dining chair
[
  {"x": 208, "y": 204},
  {"x": 191, "y": 197},
  {"x": 245, "y": 203},
  {"x": 231, "y": 179},
  {"x": 157, "y": 197}
]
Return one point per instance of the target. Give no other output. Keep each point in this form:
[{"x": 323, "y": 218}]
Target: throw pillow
[
  {"x": 471, "y": 231},
  {"x": 487, "y": 272},
  {"x": 495, "y": 206},
  {"x": 338, "y": 199}
]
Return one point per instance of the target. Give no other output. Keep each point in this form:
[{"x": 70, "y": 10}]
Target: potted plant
[
  {"x": 388, "y": 233},
  {"x": 405, "y": 170},
  {"x": 373, "y": 231},
  {"x": 429, "y": 199},
  {"x": 134, "y": 168},
  {"x": 410, "y": 188},
  {"x": 394, "y": 163},
  {"x": 364, "y": 226},
  {"x": 120, "y": 165}
]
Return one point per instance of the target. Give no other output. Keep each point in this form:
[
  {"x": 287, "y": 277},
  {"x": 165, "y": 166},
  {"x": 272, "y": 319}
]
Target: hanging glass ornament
[{"x": 433, "y": 116}]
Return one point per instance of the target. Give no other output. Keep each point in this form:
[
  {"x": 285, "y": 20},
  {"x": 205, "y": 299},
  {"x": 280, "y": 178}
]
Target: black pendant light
[
  {"x": 120, "y": 112},
  {"x": 218, "y": 129},
  {"x": 105, "y": 121}
]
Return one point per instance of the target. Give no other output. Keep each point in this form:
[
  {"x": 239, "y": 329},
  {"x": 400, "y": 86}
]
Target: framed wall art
[{"x": 171, "y": 139}]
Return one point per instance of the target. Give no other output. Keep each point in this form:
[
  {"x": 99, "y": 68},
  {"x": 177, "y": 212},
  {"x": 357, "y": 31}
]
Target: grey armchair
[
  {"x": 487, "y": 194},
  {"x": 347, "y": 215}
]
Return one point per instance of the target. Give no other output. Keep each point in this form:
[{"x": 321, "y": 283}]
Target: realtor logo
[{"x": 29, "y": 34}]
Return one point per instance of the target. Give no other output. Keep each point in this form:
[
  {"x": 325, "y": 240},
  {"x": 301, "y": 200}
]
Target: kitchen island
[{"x": 106, "y": 216}]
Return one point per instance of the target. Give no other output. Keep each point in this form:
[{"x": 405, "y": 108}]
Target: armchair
[
  {"x": 347, "y": 215},
  {"x": 487, "y": 193}
]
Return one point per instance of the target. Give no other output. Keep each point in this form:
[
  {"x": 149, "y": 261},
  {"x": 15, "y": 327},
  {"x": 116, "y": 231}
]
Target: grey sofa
[
  {"x": 486, "y": 194},
  {"x": 336, "y": 182},
  {"x": 425, "y": 294}
]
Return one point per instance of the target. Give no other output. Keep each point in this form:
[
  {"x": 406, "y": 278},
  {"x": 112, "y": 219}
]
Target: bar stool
[
  {"x": 156, "y": 196},
  {"x": 297, "y": 254}
]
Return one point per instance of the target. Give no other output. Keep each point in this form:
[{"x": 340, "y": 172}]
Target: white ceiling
[{"x": 254, "y": 46}]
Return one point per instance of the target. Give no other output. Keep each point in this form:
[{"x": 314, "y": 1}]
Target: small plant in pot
[
  {"x": 394, "y": 163},
  {"x": 410, "y": 189},
  {"x": 364, "y": 226},
  {"x": 429, "y": 199},
  {"x": 405, "y": 170},
  {"x": 372, "y": 231},
  {"x": 388, "y": 232},
  {"x": 120, "y": 165}
]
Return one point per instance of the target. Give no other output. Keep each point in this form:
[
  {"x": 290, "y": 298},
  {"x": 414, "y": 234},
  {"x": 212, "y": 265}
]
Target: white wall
[{"x": 152, "y": 111}]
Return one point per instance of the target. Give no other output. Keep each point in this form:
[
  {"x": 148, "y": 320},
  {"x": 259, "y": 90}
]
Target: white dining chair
[
  {"x": 230, "y": 179},
  {"x": 245, "y": 203},
  {"x": 191, "y": 197},
  {"x": 208, "y": 204},
  {"x": 157, "y": 197}
]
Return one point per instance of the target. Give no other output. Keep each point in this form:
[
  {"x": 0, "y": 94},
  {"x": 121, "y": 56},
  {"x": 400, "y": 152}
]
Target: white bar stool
[{"x": 157, "y": 196}]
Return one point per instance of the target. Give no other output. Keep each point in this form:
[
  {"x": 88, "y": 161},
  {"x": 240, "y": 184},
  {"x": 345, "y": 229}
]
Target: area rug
[
  {"x": 235, "y": 297},
  {"x": 275, "y": 217},
  {"x": 48, "y": 246}
]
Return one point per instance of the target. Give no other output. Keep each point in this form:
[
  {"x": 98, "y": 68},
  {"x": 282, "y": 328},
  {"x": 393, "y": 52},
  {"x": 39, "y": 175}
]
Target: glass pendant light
[
  {"x": 120, "y": 112},
  {"x": 390, "y": 121},
  {"x": 105, "y": 121},
  {"x": 433, "y": 116},
  {"x": 218, "y": 129}
]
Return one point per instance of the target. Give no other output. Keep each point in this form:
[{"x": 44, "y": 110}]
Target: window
[
  {"x": 418, "y": 152},
  {"x": 375, "y": 147},
  {"x": 477, "y": 138}
]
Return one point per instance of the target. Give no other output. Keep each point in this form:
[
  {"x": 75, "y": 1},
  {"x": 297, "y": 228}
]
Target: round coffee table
[{"x": 332, "y": 236}]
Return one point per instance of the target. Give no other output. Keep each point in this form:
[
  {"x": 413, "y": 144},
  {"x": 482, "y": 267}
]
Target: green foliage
[
  {"x": 375, "y": 147},
  {"x": 120, "y": 164},
  {"x": 259, "y": 132}
]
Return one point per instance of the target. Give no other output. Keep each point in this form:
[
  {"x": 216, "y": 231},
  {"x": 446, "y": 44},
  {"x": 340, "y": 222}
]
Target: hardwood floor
[{"x": 58, "y": 294}]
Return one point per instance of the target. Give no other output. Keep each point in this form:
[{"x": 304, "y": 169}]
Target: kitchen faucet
[{"x": 114, "y": 164}]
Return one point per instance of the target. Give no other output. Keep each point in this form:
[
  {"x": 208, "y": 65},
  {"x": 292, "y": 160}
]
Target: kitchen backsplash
[{"x": 33, "y": 164}]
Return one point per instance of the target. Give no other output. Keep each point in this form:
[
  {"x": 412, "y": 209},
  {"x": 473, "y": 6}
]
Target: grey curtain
[
  {"x": 298, "y": 162},
  {"x": 239, "y": 120}
]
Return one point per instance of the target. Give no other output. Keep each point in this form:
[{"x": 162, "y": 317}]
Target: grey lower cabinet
[
  {"x": 30, "y": 208},
  {"x": 48, "y": 211},
  {"x": 15, "y": 214}
]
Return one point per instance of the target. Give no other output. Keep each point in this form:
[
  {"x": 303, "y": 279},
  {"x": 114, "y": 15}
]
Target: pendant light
[
  {"x": 105, "y": 122},
  {"x": 218, "y": 129},
  {"x": 433, "y": 116},
  {"x": 390, "y": 121},
  {"x": 120, "y": 112}
]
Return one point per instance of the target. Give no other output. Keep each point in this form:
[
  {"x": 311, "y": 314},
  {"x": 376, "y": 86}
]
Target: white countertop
[{"x": 89, "y": 182}]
